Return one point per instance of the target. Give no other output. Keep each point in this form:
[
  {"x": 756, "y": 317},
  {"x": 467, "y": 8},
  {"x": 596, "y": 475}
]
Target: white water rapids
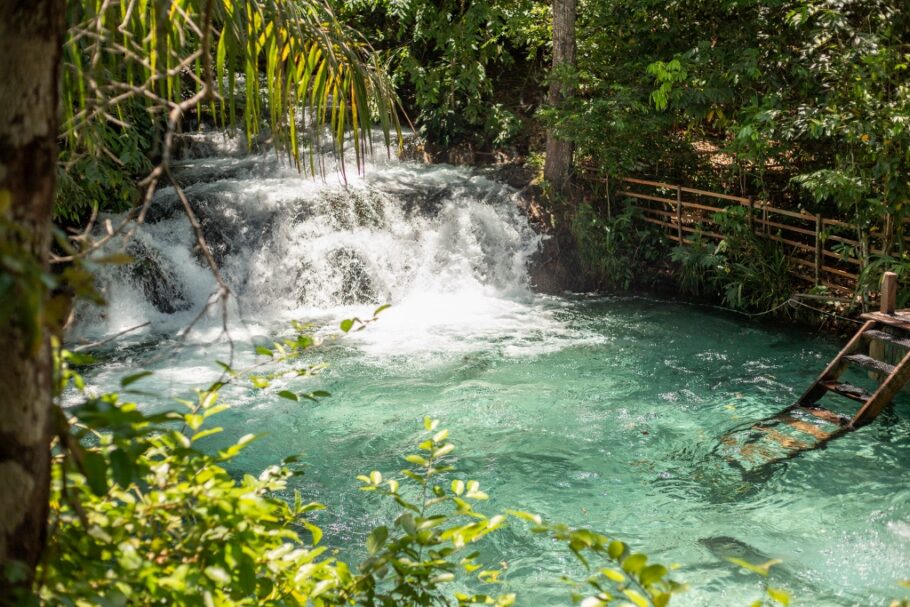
[{"x": 446, "y": 246}]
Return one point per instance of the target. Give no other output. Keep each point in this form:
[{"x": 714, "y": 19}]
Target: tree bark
[
  {"x": 558, "y": 164},
  {"x": 31, "y": 33}
]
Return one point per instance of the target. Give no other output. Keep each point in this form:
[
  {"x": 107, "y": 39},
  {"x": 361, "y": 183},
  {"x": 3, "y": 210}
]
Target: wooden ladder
[{"x": 804, "y": 423}]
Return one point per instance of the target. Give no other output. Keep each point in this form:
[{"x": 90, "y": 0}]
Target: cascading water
[
  {"x": 597, "y": 412},
  {"x": 441, "y": 241}
]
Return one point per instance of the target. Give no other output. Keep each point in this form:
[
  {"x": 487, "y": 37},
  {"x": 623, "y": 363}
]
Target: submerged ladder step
[
  {"x": 867, "y": 362},
  {"x": 887, "y": 337},
  {"x": 805, "y": 427},
  {"x": 848, "y": 390},
  {"x": 782, "y": 439},
  {"x": 826, "y": 415}
]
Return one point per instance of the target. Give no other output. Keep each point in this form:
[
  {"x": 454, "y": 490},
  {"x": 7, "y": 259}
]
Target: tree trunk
[
  {"x": 31, "y": 33},
  {"x": 558, "y": 165}
]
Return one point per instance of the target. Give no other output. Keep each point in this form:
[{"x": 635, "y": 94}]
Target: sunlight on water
[{"x": 602, "y": 412}]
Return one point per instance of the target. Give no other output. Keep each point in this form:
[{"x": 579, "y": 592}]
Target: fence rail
[{"x": 821, "y": 250}]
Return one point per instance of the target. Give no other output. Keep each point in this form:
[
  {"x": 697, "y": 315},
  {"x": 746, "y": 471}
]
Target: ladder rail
[
  {"x": 884, "y": 394},
  {"x": 891, "y": 379},
  {"x": 817, "y": 390}
]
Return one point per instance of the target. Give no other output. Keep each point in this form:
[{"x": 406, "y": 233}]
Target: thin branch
[{"x": 111, "y": 338}]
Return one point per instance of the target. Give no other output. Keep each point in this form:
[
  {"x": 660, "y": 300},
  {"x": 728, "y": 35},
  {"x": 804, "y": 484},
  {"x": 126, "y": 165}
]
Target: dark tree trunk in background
[
  {"x": 558, "y": 164},
  {"x": 31, "y": 33}
]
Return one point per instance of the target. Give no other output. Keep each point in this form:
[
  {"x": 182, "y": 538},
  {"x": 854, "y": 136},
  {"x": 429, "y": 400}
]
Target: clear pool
[{"x": 596, "y": 412}]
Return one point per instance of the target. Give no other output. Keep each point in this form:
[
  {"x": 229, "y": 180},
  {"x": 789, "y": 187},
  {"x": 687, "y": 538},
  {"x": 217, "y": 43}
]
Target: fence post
[
  {"x": 752, "y": 214},
  {"x": 888, "y": 234},
  {"x": 679, "y": 231},
  {"x": 609, "y": 202},
  {"x": 889, "y": 293},
  {"x": 819, "y": 257},
  {"x": 764, "y": 217},
  {"x": 863, "y": 237}
]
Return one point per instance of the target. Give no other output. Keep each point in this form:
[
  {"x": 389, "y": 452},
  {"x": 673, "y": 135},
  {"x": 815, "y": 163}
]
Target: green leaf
[
  {"x": 204, "y": 433},
  {"x": 264, "y": 351},
  {"x": 346, "y": 324},
  {"x": 613, "y": 575},
  {"x": 616, "y": 549},
  {"x": 406, "y": 522},
  {"x": 218, "y": 575},
  {"x": 95, "y": 472},
  {"x": 121, "y": 468},
  {"x": 636, "y": 598},
  {"x": 781, "y": 596},
  {"x": 634, "y": 563},
  {"x": 259, "y": 382},
  {"x": 288, "y": 395},
  {"x": 315, "y": 531},
  {"x": 651, "y": 574},
  {"x": 131, "y": 379},
  {"x": 761, "y": 570},
  {"x": 227, "y": 368},
  {"x": 246, "y": 575},
  {"x": 381, "y": 308},
  {"x": 376, "y": 539}
]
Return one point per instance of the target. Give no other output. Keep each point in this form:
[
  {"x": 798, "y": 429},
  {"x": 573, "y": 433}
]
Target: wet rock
[
  {"x": 413, "y": 149},
  {"x": 462, "y": 154},
  {"x": 225, "y": 232},
  {"x": 355, "y": 285},
  {"x": 210, "y": 170},
  {"x": 514, "y": 173},
  {"x": 161, "y": 285},
  {"x": 352, "y": 208},
  {"x": 342, "y": 278},
  {"x": 424, "y": 202}
]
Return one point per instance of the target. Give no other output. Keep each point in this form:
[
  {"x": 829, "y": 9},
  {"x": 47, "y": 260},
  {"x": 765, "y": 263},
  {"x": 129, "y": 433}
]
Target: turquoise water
[{"x": 596, "y": 412}]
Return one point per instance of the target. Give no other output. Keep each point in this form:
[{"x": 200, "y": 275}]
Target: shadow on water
[{"x": 723, "y": 548}]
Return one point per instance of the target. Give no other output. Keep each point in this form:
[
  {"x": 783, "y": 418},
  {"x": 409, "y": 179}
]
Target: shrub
[
  {"x": 755, "y": 274},
  {"x": 611, "y": 250}
]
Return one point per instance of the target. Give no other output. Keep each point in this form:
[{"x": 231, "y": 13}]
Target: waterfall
[{"x": 442, "y": 240}]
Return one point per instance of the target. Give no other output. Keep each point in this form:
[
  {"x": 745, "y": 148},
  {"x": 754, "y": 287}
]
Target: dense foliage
[
  {"x": 810, "y": 93},
  {"x": 466, "y": 71}
]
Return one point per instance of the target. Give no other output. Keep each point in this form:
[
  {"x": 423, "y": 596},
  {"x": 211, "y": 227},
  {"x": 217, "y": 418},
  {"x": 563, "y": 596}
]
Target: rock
[
  {"x": 461, "y": 153},
  {"x": 161, "y": 286},
  {"x": 356, "y": 286}
]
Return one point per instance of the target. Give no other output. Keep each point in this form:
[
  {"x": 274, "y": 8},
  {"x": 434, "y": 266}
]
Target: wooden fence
[{"x": 821, "y": 251}]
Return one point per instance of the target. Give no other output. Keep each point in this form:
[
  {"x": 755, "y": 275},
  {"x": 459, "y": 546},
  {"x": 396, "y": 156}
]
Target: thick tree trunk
[
  {"x": 558, "y": 165},
  {"x": 30, "y": 46}
]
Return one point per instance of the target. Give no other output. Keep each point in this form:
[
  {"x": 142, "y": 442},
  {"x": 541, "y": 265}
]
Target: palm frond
[{"x": 286, "y": 65}]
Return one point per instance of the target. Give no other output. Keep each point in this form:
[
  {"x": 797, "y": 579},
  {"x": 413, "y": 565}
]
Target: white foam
[{"x": 446, "y": 247}]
